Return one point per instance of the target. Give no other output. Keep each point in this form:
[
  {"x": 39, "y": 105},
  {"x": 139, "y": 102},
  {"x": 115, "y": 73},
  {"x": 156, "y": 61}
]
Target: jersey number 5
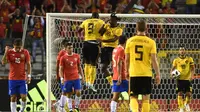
[
  {"x": 137, "y": 51},
  {"x": 90, "y": 28}
]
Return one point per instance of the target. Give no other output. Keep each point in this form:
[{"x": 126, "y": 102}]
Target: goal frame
[{"x": 62, "y": 15}]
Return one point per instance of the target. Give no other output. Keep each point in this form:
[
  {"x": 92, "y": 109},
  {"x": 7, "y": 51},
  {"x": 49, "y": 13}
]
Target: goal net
[{"x": 169, "y": 31}]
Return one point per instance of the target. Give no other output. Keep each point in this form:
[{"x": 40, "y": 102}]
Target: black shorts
[
  {"x": 184, "y": 86},
  {"x": 106, "y": 55},
  {"x": 140, "y": 85},
  {"x": 90, "y": 52}
]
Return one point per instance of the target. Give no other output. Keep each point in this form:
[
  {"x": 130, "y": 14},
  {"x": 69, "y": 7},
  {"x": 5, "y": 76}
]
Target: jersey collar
[
  {"x": 16, "y": 51},
  {"x": 69, "y": 55},
  {"x": 121, "y": 46}
]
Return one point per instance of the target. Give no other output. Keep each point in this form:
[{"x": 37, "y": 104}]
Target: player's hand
[
  {"x": 7, "y": 48},
  {"x": 157, "y": 79},
  {"x": 119, "y": 80},
  {"x": 28, "y": 80}
]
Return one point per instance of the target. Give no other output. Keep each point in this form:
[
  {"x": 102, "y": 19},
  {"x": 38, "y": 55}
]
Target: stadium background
[{"x": 45, "y": 6}]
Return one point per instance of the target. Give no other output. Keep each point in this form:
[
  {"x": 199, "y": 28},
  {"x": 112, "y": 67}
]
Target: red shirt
[
  {"x": 17, "y": 25},
  {"x": 17, "y": 62},
  {"x": 60, "y": 54},
  {"x": 70, "y": 66},
  {"x": 4, "y": 11},
  {"x": 118, "y": 54},
  {"x": 2, "y": 30}
]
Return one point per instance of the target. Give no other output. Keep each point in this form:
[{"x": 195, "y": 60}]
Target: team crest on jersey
[
  {"x": 186, "y": 61},
  {"x": 22, "y": 56},
  {"x": 75, "y": 59}
]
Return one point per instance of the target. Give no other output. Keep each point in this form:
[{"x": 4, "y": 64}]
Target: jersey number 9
[
  {"x": 90, "y": 28},
  {"x": 137, "y": 51}
]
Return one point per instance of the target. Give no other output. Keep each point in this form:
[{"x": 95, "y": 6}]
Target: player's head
[
  {"x": 17, "y": 44},
  {"x": 69, "y": 47},
  {"x": 122, "y": 40},
  {"x": 95, "y": 15},
  {"x": 113, "y": 19},
  {"x": 141, "y": 26},
  {"x": 181, "y": 50},
  {"x": 64, "y": 43}
]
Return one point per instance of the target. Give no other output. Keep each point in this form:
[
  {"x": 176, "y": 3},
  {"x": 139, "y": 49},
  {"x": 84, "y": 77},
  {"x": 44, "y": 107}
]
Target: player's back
[
  {"x": 91, "y": 28},
  {"x": 141, "y": 48},
  {"x": 118, "y": 54}
]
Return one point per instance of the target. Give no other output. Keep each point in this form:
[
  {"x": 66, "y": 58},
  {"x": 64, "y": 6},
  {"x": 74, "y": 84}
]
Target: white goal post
[{"x": 168, "y": 31}]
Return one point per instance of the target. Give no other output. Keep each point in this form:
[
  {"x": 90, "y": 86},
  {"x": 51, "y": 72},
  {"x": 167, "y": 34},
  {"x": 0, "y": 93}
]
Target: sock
[
  {"x": 113, "y": 106},
  {"x": 23, "y": 104},
  {"x": 180, "y": 101},
  {"x": 187, "y": 100},
  {"x": 86, "y": 72},
  {"x": 134, "y": 104},
  {"x": 69, "y": 101},
  {"x": 77, "y": 101},
  {"x": 92, "y": 74},
  {"x": 63, "y": 100},
  {"x": 13, "y": 106},
  {"x": 145, "y": 106},
  {"x": 109, "y": 78}
]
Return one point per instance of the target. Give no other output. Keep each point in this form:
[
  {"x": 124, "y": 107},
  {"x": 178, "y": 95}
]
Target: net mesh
[{"x": 168, "y": 33}]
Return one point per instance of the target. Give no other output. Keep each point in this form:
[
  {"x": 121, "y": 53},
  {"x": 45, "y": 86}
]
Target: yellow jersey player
[
  {"x": 111, "y": 32},
  {"x": 185, "y": 65},
  {"x": 91, "y": 48},
  {"x": 140, "y": 56}
]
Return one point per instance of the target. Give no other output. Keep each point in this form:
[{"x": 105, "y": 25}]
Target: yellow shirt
[
  {"x": 140, "y": 48},
  {"x": 184, "y": 67},
  {"x": 191, "y": 2},
  {"x": 110, "y": 34},
  {"x": 91, "y": 28}
]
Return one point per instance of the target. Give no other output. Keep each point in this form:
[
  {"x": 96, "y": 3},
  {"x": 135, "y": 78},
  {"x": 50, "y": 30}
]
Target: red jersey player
[
  {"x": 18, "y": 59},
  {"x": 60, "y": 54},
  {"x": 69, "y": 68},
  {"x": 120, "y": 84}
]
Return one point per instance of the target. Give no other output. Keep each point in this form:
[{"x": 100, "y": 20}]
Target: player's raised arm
[
  {"x": 4, "y": 58},
  {"x": 155, "y": 63}
]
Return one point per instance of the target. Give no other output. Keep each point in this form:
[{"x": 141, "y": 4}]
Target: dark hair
[
  {"x": 68, "y": 44},
  {"x": 64, "y": 42},
  {"x": 181, "y": 46},
  {"x": 113, "y": 15},
  {"x": 122, "y": 39},
  {"x": 141, "y": 26},
  {"x": 95, "y": 15},
  {"x": 17, "y": 42}
]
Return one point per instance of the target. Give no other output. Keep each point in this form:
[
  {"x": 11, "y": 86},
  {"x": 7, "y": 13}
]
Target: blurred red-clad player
[
  {"x": 120, "y": 84},
  {"x": 18, "y": 59},
  {"x": 70, "y": 66},
  {"x": 60, "y": 54}
]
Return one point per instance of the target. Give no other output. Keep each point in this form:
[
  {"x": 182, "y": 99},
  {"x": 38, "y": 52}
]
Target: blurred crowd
[{"x": 13, "y": 13}]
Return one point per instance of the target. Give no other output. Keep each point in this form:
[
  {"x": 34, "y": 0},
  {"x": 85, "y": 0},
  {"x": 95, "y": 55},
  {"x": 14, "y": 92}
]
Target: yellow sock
[
  {"x": 145, "y": 106},
  {"x": 180, "y": 101},
  {"x": 92, "y": 74},
  {"x": 187, "y": 100},
  {"x": 134, "y": 104},
  {"x": 109, "y": 78},
  {"x": 86, "y": 72}
]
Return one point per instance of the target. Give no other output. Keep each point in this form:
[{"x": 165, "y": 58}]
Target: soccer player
[
  {"x": 60, "y": 54},
  {"x": 91, "y": 48},
  {"x": 120, "y": 84},
  {"x": 18, "y": 59},
  {"x": 185, "y": 65},
  {"x": 140, "y": 53},
  {"x": 111, "y": 32},
  {"x": 69, "y": 68}
]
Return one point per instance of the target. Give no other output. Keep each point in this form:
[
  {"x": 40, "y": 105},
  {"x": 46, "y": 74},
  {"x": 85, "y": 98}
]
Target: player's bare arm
[
  {"x": 127, "y": 61},
  {"x": 61, "y": 74},
  {"x": 80, "y": 70},
  {"x": 119, "y": 69},
  {"x": 155, "y": 67},
  {"x": 28, "y": 72},
  {"x": 4, "y": 60},
  {"x": 192, "y": 71}
]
